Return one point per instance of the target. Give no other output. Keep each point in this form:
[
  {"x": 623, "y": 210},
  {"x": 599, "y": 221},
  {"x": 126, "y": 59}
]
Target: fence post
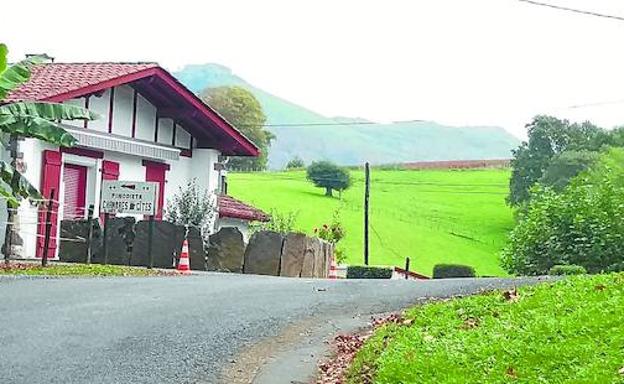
[
  {"x": 104, "y": 240},
  {"x": 150, "y": 238},
  {"x": 407, "y": 266},
  {"x": 48, "y": 229},
  {"x": 89, "y": 232}
]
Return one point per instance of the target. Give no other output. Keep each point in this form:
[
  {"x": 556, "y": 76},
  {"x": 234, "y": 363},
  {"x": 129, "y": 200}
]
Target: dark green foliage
[
  {"x": 567, "y": 270},
  {"x": 241, "y": 108},
  {"x": 327, "y": 175},
  {"x": 362, "y": 272},
  {"x": 549, "y": 137},
  {"x": 295, "y": 163},
  {"x": 566, "y": 166},
  {"x": 446, "y": 271},
  {"x": 583, "y": 225}
]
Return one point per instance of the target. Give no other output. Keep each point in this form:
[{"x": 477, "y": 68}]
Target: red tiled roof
[
  {"x": 236, "y": 209},
  {"x": 53, "y": 79}
]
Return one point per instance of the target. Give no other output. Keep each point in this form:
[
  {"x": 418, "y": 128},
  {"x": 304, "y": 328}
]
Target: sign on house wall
[{"x": 134, "y": 197}]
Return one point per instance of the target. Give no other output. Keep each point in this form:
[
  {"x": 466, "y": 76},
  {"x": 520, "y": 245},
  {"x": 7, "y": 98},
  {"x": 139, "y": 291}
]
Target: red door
[
  {"x": 75, "y": 180},
  {"x": 156, "y": 172}
]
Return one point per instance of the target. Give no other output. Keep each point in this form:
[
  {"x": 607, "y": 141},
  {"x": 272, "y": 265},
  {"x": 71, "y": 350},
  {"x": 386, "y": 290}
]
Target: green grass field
[
  {"x": 432, "y": 216},
  {"x": 567, "y": 332}
]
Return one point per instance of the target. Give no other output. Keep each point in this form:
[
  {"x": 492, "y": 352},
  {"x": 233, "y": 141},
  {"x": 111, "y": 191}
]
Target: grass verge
[
  {"x": 32, "y": 269},
  {"x": 571, "y": 331}
]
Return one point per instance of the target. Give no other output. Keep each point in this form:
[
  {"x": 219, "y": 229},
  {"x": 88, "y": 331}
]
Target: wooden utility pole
[
  {"x": 48, "y": 230},
  {"x": 366, "y": 196}
]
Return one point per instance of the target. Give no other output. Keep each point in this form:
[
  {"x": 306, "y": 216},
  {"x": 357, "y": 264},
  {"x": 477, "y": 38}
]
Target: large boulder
[
  {"x": 74, "y": 249},
  {"x": 307, "y": 270},
  {"x": 226, "y": 251},
  {"x": 197, "y": 254},
  {"x": 166, "y": 244},
  {"x": 293, "y": 252},
  {"x": 263, "y": 253},
  {"x": 119, "y": 239},
  {"x": 316, "y": 246}
]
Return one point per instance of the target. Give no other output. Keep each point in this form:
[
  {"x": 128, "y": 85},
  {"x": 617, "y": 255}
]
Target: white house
[{"x": 151, "y": 128}]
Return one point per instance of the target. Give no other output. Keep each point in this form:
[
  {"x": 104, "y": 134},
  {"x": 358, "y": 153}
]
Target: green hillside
[
  {"x": 355, "y": 144},
  {"x": 432, "y": 216}
]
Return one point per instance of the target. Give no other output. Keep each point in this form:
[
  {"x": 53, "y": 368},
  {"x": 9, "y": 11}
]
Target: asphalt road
[{"x": 175, "y": 329}]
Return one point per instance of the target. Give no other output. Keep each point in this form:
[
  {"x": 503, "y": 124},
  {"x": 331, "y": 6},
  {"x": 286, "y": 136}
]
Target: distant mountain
[{"x": 352, "y": 141}]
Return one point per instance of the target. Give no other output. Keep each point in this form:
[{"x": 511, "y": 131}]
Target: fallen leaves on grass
[
  {"x": 470, "y": 323},
  {"x": 511, "y": 372},
  {"x": 511, "y": 295},
  {"x": 333, "y": 370}
]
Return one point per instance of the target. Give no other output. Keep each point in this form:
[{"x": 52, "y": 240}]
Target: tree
[
  {"x": 241, "y": 108},
  {"x": 325, "y": 174},
  {"x": 27, "y": 120},
  {"x": 295, "y": 163},
  {"x": 565, "y": 166},
  {"x": 583, "y": 225},
  {"x": 549, "y": 137}
]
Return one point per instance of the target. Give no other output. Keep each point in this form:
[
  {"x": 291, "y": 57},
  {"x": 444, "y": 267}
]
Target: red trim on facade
[
  {"x": 186, "y": 94},
  {"x": 75, "y": 180},
  {"x": 186, "y": 153},
  {"x": 134, "y": 112},
  {"x": 84, "y": 152},
  {"x": 155, "y": 164},
  {"x": 212, "y": 115},
  {"x": 86, "y": 105},
  {"x": 111, "y": 107},
  {"x": 110, "y": 170},
  {"x": 50, "y": 179}
]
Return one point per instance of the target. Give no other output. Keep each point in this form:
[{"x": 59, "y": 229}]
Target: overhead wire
[{"x": 574, "y": 10}]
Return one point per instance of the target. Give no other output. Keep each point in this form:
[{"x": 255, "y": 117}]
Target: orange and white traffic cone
[
  {"x": 183, "y": 265},
  {"x": 333, "y": 270}
]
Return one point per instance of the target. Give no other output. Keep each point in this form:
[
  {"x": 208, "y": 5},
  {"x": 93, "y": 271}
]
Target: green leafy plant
[
  {"x": 446, "y": 271},
  {"x": 325, "y": 174},
  {"x": 561, "y": 270},
  {"x": 583, "y": 225},
  {"x": 363, "y": 272},
  {"x": 281, "y": 222},
  {"x": 19, "y": 120},
  {"x": 333, "y": 233},
  {"x": 192, "y": 206}
]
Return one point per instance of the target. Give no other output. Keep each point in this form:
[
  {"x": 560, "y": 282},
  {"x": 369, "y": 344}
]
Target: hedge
[
  {"x": 445, "y": 271},
  {"x": 361, "y": 272},
  {"x": 561, "y": 270}
]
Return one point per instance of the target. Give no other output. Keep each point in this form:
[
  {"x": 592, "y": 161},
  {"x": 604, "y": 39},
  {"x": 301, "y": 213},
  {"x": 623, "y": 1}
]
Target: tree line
[{"x": 567, "y": 185}]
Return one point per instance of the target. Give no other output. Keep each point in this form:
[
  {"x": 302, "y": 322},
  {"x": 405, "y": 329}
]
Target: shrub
[
  {"x": 445, "y": 271},
  {"x": 561, "y": 270},
  {"x": 281, "y": 222},
  {"x": 618, "y": 267},
  {"x": 333, "y": 233},
  {"x": 583, "y": 225},
  {"x": 295, "y": 163},
  {"x": 363, "y": 272},
  {"x": 192, "y": 206}
]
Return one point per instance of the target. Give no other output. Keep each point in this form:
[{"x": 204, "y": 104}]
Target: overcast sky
[{"x": 494, "y": 62}]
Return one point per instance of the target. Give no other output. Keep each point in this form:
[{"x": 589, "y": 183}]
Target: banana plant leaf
[
  {"x": 17, "y": 74},
  {"x": 48, "y": 111},
  {"x": 21, "y": 187},
  {"x": 3, "y": 57},
  {"x": 38, "y": 128}
]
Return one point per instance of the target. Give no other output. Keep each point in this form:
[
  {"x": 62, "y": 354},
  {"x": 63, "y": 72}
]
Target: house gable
[{"x": 64, "y": 82}]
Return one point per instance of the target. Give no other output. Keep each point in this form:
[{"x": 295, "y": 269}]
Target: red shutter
[
  {"x": 110, "y": 171},
  {"x": 156, "y": 172},
  {"x": 50, "y": 180}
]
